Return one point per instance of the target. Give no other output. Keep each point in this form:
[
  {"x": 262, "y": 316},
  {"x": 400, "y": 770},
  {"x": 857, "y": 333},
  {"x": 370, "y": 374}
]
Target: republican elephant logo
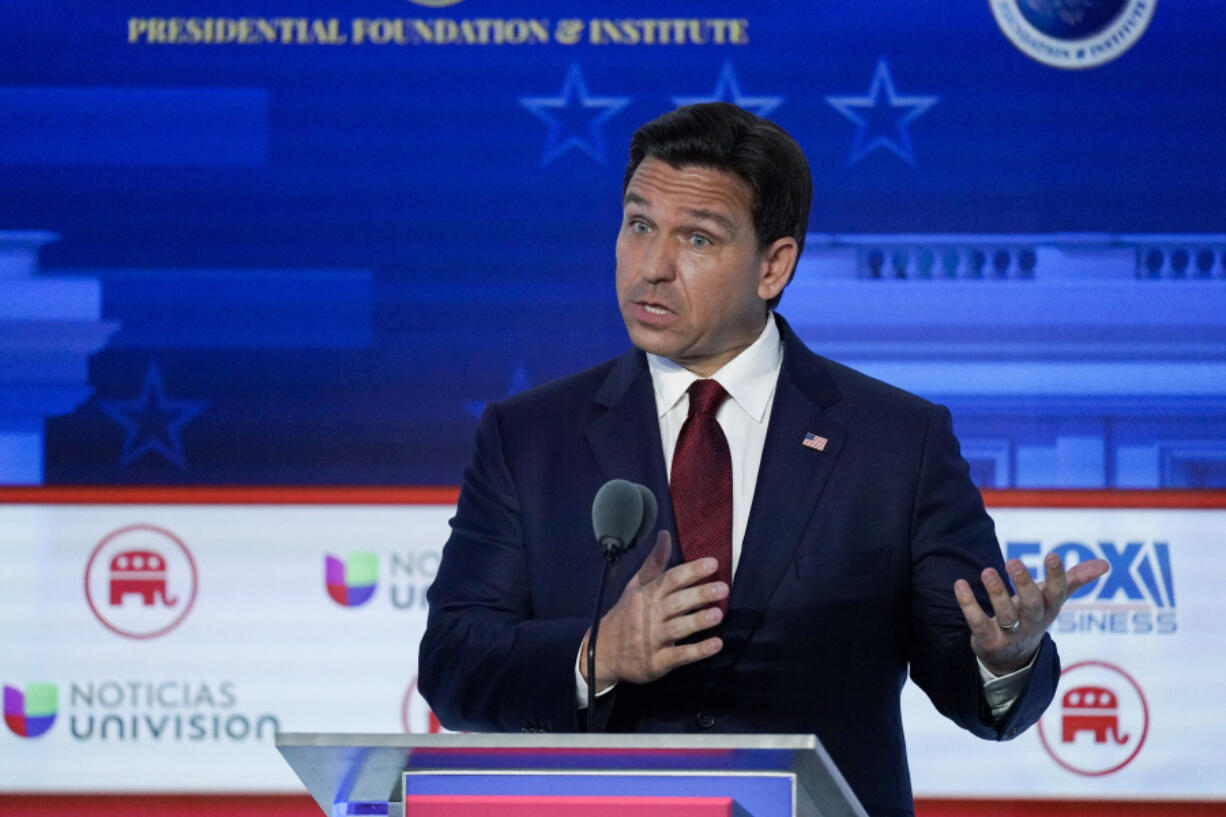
[
  {"x": 1091, "y": 709},
  {"x": 142, "y": 573},
  {"x": 141, "y": 581},
  {"x": 1101, "y": 722}
]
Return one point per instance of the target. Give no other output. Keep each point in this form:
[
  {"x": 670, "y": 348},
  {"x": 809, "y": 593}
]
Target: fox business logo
[{"x": 1136, "y": 597}]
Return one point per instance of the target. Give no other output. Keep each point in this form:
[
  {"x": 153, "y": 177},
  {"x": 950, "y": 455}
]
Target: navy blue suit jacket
[{"x": 845, "y": 577}]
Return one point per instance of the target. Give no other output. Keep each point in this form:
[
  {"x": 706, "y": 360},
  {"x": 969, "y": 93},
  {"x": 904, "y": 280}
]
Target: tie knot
[{"x": 705, "y": 397}]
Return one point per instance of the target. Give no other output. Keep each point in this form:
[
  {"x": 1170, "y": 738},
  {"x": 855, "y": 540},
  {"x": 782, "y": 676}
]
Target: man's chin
[{"x": 652, "y": 341}]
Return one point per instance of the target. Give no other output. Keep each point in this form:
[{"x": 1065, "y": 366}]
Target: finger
[
  {"x": 976, "y": 619},
  {"x": 1002, "y": 603},
  {"x": 1082, "y": 573},
  {"x": 657, "y": 560},
  {"x": 669, "y": 658},
  {"x": 690, "y": 598},
  {"x": 1055, "y": 581},
  {"x": 687, "y": 574},
  {"x": 1029, "y": 597},
  {"x": 682, "y": 627}
]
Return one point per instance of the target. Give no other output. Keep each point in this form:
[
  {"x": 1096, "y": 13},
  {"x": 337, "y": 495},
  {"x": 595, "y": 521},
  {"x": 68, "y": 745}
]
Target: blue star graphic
[
  {"x": 574, "y": 117},
  {"x": 727, "y": 89},
  {"x": 152, "y": 421},
  {"x": 881, "y": 116},
  {"x": 519, "y": 382}
]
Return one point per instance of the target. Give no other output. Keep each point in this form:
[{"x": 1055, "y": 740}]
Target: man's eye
[
  {"x": 639, "y": 227},
  {"x": 700, "y": 241}
]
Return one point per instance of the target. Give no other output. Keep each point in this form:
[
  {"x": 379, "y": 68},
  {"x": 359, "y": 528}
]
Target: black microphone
[
  {"x": 623, "y": 512},
  {"x": 650, "y": 509}
]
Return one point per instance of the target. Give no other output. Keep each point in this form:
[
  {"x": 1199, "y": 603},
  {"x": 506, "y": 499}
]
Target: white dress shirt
[{"x": 750, "y": 379}]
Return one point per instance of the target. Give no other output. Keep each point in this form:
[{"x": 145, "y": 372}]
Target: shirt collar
[{"x": 749, "y": 378}]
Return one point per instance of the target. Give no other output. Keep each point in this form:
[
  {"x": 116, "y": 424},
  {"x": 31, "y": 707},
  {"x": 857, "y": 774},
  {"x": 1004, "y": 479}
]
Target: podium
[{"x": 551, "y": 775}]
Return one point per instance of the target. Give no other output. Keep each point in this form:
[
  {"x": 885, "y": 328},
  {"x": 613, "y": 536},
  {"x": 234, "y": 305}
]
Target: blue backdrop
[{"x": 238, "y": 248}]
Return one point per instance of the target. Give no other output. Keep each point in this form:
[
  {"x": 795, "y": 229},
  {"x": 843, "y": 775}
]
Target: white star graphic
[
  {"x": 727, "y": 89},
  {"x": 881, "y": 116},
  {"x": 586, "y": 112}
]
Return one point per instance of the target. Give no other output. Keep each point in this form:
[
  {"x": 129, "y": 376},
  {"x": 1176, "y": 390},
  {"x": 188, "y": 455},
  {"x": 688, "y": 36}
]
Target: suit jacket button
[{"x": 705, "y": 719}]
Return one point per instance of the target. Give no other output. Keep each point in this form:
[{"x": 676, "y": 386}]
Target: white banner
[
  {"x": 1139, "y": 711},
  {"x": 159, "y": 647}
]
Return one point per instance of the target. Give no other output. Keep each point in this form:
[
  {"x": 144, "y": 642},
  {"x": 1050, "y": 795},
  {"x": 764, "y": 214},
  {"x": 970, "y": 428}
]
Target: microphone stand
[{"x": 612, "y": 549}]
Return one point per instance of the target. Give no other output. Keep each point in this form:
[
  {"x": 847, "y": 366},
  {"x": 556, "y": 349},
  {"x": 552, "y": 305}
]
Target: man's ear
[{"x": 777, "y": 262}]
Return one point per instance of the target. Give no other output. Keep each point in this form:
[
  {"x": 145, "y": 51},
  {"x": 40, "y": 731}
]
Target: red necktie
[{"x": 701, "y": 482}]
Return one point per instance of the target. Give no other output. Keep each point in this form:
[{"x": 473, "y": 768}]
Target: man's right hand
[{"x": 637, "y": 641}]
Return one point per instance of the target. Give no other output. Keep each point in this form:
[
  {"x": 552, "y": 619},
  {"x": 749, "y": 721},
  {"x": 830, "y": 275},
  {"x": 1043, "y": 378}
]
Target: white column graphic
[{"x": 49, "y": 326}]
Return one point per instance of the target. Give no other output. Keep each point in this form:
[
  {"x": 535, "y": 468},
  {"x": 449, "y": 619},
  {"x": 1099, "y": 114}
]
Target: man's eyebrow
[
  {"x": 694, "y": 212},
  {"x": 718, "y": 218}
]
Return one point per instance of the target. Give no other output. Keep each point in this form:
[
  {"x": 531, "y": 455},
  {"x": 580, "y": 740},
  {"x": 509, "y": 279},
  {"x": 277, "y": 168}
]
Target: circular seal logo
[
  {"x": 1073, "y": 33},
  {"x": 1098, "y": 722},
  {"x": 140, "y": 581}
]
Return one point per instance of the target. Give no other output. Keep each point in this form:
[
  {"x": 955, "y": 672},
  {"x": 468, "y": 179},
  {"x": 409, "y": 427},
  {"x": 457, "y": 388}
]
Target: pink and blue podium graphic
[{"x": 512, "y": 775}]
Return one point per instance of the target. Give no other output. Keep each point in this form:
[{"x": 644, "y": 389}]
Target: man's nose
[{"x": 658, "y": 265}]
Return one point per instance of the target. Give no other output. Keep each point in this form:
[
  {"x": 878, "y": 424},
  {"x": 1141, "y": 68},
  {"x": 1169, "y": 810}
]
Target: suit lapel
[
  {"x": 625, "y": 442},
  {"x": 791, "y": 479},
  {"x": 624, "y": 436}
]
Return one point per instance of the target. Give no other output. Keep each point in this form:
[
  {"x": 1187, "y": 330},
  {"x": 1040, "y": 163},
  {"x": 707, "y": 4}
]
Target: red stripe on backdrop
[
  {"x": 158, "y": 805},
  {"x": 1105, "y": 499},
  {"x": 300, "y": 805},
  {"x": 447, "y": 495},
  {"x": 227, "y": 495}
]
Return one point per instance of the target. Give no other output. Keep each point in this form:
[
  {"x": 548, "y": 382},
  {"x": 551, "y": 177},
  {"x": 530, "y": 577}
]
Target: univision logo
[
  {"x": 351, "y": 579},
  {"x": 351, "y": 582},
  {"x": 31, "y": 713},
  {"x": 115, "y": 711}
]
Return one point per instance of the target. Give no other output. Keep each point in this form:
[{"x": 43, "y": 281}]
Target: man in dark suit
[{"x": 828, "y": 532}]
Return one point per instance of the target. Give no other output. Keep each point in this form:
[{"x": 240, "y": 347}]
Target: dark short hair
[{"x": 724, "y": 137}]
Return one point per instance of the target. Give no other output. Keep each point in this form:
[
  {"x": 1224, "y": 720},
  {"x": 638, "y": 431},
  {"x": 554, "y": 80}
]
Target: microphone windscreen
[
  {"x": 617, "y": 511},
  {"x": 650, "y": 509}
]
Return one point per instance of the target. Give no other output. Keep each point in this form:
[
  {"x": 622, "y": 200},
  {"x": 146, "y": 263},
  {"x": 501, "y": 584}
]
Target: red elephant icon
[
  {"x": 1091, "y": 709},
  {"x": 142, "y": 572}
]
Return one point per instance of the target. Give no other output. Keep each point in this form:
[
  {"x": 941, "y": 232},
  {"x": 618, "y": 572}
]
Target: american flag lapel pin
[{"x": 817, "y": 443}]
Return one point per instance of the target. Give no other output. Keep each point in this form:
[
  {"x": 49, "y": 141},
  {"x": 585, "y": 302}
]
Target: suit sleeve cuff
[
  {"x": 1002, "y": 691},
  {"x": 581, "y": 683}
]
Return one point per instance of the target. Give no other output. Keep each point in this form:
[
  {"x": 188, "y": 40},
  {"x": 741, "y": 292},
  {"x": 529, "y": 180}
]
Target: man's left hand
[{"x": 1007, "y": 641}]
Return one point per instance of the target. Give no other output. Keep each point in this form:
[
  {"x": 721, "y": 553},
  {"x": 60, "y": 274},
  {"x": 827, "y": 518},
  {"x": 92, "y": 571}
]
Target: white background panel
[
  {"x": 265, "y": 640},
  {"x": 1179, "y": 673},
  {"x": 263, "y": 627}
]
